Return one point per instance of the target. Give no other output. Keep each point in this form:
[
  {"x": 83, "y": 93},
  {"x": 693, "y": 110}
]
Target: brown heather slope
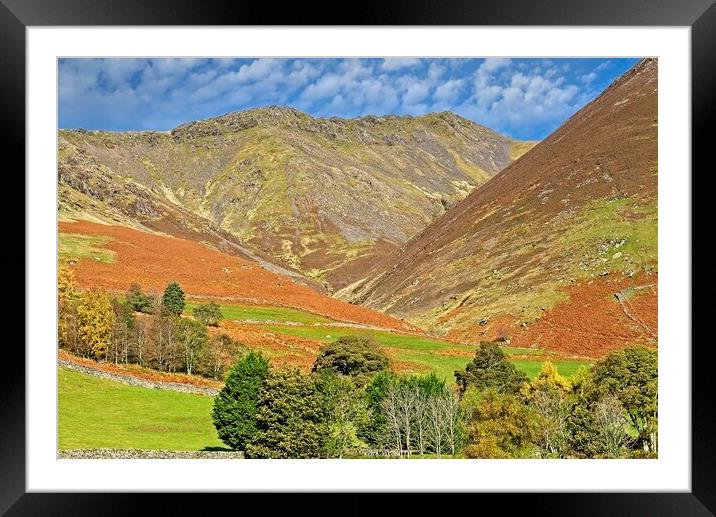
[
  {"x": 325, "y": 197},
  {"x": 153, "y": 260},
  {"x": 574, "y": 219}
]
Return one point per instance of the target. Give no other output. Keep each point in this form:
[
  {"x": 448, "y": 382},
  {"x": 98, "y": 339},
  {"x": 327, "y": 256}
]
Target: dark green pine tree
[
  {"x": 235, "y": 406},
  {"x": 173, "y": 299}
]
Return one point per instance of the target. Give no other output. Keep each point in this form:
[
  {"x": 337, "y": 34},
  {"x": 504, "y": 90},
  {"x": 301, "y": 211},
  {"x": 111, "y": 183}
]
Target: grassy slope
[
  {"x": 77, "y": 246},
  {"x": 262, "y": 313},
  {"x": 99, "y": 413}
]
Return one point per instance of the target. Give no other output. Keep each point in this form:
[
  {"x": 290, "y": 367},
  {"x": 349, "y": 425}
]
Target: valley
[{"x": 375, "y": 263}]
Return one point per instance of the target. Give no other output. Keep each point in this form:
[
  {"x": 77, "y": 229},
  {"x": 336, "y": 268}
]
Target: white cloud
[
  {"x": 512, "y": 97},
  {"x": 392, "y": 64},
  {"x": 588, "y": 78},
  {"x": 449, "y": 91},
  {"x": 492, "y": 64},
  {"x": 415, "y": 93}
]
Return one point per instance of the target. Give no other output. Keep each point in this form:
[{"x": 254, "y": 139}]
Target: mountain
[
  {"x": 322, "y": 199},
  {"x": 558, "y": 250}
]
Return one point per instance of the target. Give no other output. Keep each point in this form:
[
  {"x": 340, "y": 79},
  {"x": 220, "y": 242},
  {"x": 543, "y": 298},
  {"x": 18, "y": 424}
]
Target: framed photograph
[{"x": 419, "y": 254}]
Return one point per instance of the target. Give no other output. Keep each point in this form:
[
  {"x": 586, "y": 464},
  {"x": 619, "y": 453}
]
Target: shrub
[
  {"x": 137, "y": 300},
  {"x": 208, "y": 314}
]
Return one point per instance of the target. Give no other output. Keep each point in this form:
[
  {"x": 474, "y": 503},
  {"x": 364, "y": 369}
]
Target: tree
[
  {"x": 375, "y": 392},
  {"x": 173, "y": 299},
  {"x": 549, "y": 396},
  {"x": 500, "y": 426},
  {"x": 290, "y": 420},
  {"x": 553, "y": 410},
  {"x": 123, "y": 331},
  {"x": 137, "y": 300},
  {"x": 356, "y": 356},
  {"x": 208, "y": 314},
  {"x": 346, "y": 412},
  {"x": 221, "y": 351},
  {"x": 96, "y": 323},
  {"x": 491, "y": 369},
  {"x": 194, "y": 338},
  {"x": 613, "y": 427},
  {"x": 67, "y": 299},
  {"x": 235, "y": 407},
  {"x": 548, "y": 379},
  {"x": 631, "y": 376}
]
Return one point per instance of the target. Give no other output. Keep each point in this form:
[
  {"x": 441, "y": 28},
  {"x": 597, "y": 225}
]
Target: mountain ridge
[{"x": 326, "y": 197}]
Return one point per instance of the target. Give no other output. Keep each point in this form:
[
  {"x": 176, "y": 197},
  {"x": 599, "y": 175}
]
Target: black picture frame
[{"x": 700, "y": 15}]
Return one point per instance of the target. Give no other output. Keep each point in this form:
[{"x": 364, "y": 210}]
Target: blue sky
[{"x": 523, "y": 98}]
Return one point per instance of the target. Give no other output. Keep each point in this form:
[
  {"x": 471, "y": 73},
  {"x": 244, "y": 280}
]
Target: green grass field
[
  {"x": 389, "y": 339},
  {"x": 262, "y": 313},
  {"x": 97, "y": 413},
  {"x": 78, "y": 246}
]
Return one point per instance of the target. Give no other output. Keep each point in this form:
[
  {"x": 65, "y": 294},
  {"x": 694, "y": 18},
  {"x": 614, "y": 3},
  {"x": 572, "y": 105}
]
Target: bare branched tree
[
  {"x": 553, "y": 409},
  {"x": 612, "y": 425}
]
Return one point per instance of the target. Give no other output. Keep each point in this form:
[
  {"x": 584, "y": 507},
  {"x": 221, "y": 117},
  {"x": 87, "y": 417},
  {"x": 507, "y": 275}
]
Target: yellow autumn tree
[
  {"x": 67, "y": 299},
  {"x": 96, "y": 321},
  {"x": 548, "y": 379}
]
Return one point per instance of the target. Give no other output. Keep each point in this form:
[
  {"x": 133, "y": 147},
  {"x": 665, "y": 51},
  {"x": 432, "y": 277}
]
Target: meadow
[{"x": 95, "y": 413}]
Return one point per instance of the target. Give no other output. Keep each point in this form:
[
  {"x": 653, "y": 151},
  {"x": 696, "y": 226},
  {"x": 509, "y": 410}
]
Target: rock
[{"x": 617, "y": 255}]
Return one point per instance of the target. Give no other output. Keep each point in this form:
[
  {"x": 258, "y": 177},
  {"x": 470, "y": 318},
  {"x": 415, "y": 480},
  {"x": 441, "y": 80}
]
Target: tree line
[
  {"x": 145, "y": 329},
  {"x": 352, "y": 404}
]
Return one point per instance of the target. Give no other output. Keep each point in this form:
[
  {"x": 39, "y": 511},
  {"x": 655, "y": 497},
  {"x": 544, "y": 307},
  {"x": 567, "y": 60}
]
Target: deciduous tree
[
  {"x": 290, "y": 420},
  {"x": 500, "y": 426},
  {"x": 96, "y": 322},
  {"x": 346, "y": 412},
  {"x": 357, "y": 356},
  {"x": 67, "y": 300},
  {"x": 194, "y": 339}
]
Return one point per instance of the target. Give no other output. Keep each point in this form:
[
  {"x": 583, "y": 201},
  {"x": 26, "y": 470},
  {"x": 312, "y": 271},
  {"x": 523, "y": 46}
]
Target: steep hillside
[
  {"x": 558, "y": 249},
  {"x": 326, "y": 197}
]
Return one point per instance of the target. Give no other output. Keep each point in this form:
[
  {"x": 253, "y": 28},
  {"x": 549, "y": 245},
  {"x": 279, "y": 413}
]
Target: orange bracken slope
[{"x": 153, "y": 260}]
